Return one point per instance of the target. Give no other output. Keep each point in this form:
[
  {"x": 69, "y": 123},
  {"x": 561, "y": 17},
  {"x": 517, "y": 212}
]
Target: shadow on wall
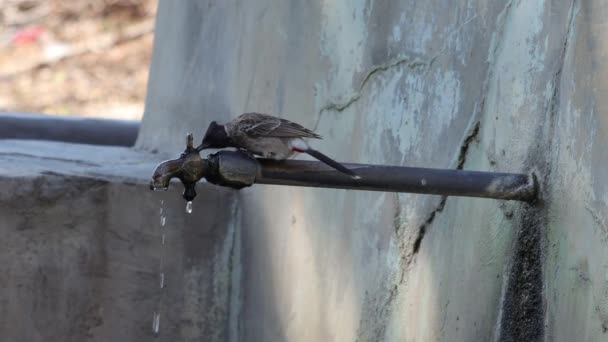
[{"x": 306, "y": 275}]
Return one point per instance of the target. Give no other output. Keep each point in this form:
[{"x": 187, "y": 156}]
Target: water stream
[
  {"x": 161, "y": 265},
  {"x": 161, "y": 271}
]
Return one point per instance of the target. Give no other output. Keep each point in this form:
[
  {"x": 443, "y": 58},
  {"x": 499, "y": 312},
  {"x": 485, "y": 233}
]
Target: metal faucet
[
  {"x": 189, "y": 168},
  {"x": 232, "y": 169},
  {"x": 237, "y": 170}
]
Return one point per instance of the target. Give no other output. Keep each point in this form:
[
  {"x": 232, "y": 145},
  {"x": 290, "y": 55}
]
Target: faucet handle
[
  {"x": 189, "y": 145},
  {"x": 189, "y": 142}
]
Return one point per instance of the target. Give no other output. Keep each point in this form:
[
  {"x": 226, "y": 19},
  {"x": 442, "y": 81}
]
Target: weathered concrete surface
[
  {"x": 489, "y": 85},
  {"x": 513, "y": 86},
  {"x": 577, "y": 239},
  {"x": 81, "y": 245}
]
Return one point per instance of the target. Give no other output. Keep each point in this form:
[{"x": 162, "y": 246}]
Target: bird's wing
[{"x": 262, "y": 125}]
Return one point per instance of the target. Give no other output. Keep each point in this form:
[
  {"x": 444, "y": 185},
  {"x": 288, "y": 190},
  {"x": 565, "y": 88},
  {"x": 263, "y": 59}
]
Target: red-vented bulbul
[{"x": 266, "y": 136}]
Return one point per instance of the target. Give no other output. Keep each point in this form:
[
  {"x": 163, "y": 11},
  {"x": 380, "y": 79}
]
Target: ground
[{"x": 75, "y": 57}]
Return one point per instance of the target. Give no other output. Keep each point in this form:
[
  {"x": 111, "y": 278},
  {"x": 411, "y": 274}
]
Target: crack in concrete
[
  {"x": 407, "y": 61},
  {"x": 407, "y": 254},
  {"x": 598, "y": 218},
  {"x": 118, "y": 236},
  {"x": 444, "y": 319},
  {"x": 411, "y": 63},
  {"x": 464, "y": 147},
  {"x": 448, "y": 38},
  {"x": 462, "y": 156},
  {"x": 422, "y": 229},
  {"x": 502, "y": 19},
  {"x": 557, "y": 76},
  {"x": 397, "y": 280}
]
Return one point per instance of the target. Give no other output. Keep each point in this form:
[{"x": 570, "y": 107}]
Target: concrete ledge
[
  {"x": 34, "y": 157},
  {"x": 82, "y": 248}
]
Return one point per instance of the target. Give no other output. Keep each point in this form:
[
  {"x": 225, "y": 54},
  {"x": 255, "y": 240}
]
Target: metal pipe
[
  {"x": 238, "y": 170},
  {"x": 506, "y": 186},
  {"x": 68, "y": 129}
]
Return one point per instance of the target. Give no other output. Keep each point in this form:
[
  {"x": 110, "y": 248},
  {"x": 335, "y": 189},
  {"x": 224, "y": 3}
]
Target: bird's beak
[{"x": 202, "y": 146}]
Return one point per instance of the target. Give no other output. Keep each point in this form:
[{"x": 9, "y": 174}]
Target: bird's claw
[{"x": 247, "y": 153}]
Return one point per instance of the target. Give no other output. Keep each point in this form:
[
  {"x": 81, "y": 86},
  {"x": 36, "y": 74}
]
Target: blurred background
[{"x": 85, "y": 58}]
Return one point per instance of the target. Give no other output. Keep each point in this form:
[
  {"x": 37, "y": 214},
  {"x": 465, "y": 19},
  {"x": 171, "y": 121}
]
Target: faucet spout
[
  {"x": 163, "y": 174},
  {"x": 189, "y": 168}
]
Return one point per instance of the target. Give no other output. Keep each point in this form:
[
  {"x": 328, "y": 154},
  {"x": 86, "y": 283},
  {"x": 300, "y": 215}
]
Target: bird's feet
[{"x": 247, "y": 153}]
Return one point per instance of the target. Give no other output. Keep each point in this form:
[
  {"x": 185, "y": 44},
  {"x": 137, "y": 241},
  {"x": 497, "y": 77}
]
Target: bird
[{"x": 266, "y": 136}]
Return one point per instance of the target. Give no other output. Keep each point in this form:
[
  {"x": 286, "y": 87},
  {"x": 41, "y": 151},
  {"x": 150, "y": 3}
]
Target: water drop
[
  {"x": 189, "y": 207},
  {"x": 156, "y": 323},
  {"x": 156, "y": 318}
]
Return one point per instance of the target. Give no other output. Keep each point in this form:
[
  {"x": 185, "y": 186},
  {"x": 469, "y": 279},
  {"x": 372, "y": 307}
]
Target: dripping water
[
  {"x": 161, "y": 272},
  {"x": 189, "y": 207},
  {"x": 156, "y": 323}
]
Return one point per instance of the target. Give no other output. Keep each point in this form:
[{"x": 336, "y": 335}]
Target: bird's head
[{"x": 216, "y": 137}]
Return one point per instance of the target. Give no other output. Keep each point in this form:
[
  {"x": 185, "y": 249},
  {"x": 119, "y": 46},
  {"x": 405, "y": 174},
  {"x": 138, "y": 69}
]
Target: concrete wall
[
  {"x": 81, "y": 247},
  {"x": 487, "y": 85},
  {"x": 513, "y": 86}
]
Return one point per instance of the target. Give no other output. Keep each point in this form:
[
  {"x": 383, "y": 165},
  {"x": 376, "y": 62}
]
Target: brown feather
[{"x": 262, "y": 125}]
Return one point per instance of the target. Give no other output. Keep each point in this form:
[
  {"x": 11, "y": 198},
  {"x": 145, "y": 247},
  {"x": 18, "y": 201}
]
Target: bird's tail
[{"x": 332, "y": 163}]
